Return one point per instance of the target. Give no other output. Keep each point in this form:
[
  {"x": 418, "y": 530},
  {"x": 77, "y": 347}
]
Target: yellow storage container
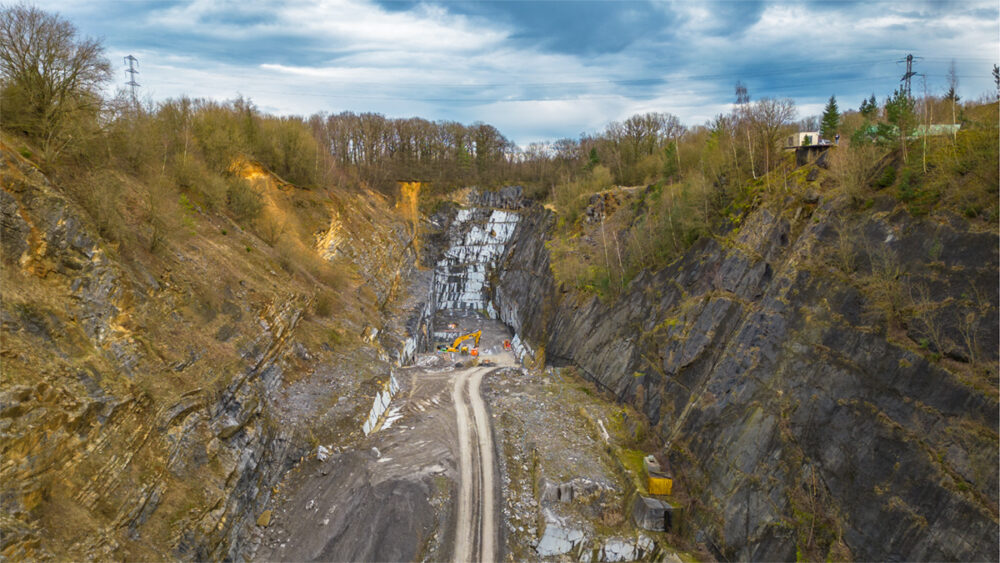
[{"x": 660, "y": 485}]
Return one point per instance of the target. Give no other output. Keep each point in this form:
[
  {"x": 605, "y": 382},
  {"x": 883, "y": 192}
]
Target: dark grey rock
[
  {"x": 768, "y": 379},
  {"x": 508, "y": 197},
  {"x": 548, "y": 490},
  {"x": 14, "y": 230},
  {"x": 652, "y": 514}
]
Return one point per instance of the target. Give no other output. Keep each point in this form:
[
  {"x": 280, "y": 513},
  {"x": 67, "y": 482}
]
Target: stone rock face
[
  {"x": 768, "y": 372},
  {"x": 464, "y": 246},
  {"x": 479, "y": 237},
  {"x": 508, "y": 197},
  {"x": 140, "y": 419}
]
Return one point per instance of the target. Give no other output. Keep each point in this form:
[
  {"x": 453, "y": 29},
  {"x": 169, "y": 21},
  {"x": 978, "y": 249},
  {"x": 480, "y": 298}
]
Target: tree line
[
  {"x": 382, "y": 151},
  {"x": 50, "y": 83}
]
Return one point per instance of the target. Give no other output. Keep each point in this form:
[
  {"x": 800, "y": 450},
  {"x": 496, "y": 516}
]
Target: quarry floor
[
  {"x": 404, "y": 495},
  {"x": 399, "y": 495}
]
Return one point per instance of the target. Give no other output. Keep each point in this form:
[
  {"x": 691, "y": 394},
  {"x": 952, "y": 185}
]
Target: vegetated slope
[
  {"x": 822, "y": 373},
  {"x": 161, "y": 375}
]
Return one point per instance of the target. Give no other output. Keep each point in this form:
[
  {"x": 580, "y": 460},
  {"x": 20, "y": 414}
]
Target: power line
[
  {"x": 132, "y": 62},
  {"x": 773, "y": 70},
  {"x": 638, "y": 81},
  {"x": 685, "y": 85},
  {"x": 909, "y": 73},
  {"x": 702, "y": 89},
  {"x": 785, "y": 71}
]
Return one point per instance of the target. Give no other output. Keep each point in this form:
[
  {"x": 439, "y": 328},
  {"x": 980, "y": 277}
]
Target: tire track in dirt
[
  {"x": 464, "y": 531},
  {"x": 487, "y": 530},
  {"x": 475, "y": 529}
]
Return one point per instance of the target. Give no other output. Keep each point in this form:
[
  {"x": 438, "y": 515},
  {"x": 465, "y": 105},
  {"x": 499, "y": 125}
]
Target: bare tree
[
  {"x": 769, "y": 117},
  {"x": 996, "y": 79},
  {"x": 48, "y": 76},
  {"x": 672, "y": 131},
  {"x": 927, "y": 123},
  {"x": 952, "y": 96},
  {"x": 810, "y": 123}
]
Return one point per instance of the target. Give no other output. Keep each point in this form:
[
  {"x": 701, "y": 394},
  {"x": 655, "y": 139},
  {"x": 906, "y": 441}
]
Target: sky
[{"x": 539, "y": 70}]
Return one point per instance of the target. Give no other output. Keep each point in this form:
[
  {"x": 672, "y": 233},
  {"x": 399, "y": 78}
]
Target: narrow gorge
[
  {"x": 766, "y": 372},
  {"x": 153, "y": 408}
]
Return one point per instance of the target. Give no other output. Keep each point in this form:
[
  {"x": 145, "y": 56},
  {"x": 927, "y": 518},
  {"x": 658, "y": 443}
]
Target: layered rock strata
[
  {"x": 150, "y": 403},
  {"x": 764, "y": 361}
]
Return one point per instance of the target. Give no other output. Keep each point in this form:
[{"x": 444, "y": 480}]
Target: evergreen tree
[
  {"x": 831, "y": 119},
  {"x": 899, "y": 112},
  {"x": 670, "y": 160},
  {"x": 869, "y": 107},
  {"x": 592, "y": 160},
  {"x": 952, "y": 94}
]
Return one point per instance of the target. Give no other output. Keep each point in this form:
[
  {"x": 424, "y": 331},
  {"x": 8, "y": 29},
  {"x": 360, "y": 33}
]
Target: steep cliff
[
  {"x": 152, "y": 400},
  {"x": 823, "y": 378}
]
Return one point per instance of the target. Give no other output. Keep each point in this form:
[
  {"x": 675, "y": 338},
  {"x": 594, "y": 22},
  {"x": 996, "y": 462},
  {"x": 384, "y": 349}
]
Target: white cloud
[
  {"x": 304, "y": 56},
  {"x": 427, "y": 28}
]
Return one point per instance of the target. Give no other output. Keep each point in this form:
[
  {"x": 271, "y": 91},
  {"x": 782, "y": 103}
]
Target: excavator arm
[{"x": 474, "y": 335}]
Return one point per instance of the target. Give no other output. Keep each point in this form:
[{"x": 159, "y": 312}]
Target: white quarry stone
[
  {"x": 520, "y": 348},
  {"x": 558, "y": 540},
  {"x": 393, "y": 416},
  {"x": 380, "y": 405},
  {"x": 478, "y": 242},
  {"x": 616, "y": 549}
]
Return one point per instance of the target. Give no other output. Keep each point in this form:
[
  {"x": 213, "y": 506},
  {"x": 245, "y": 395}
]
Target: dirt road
[
  {"x": 390, "y": 501},
  {"x": 475, "y": 531}
]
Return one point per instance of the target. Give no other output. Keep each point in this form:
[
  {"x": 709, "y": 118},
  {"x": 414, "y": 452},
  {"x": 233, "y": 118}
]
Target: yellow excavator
[{"x": 465, "y": 349}]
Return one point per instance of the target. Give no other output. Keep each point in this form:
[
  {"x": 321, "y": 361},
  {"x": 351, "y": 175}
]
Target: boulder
[
  {"x": 548, "y": 490},
  {"x": 652, "y": 514}
]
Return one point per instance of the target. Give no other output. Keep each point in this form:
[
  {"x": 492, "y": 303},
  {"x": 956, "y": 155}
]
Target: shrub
[
  {"x": 99, "y": 193},
  {"x": 243, "y": 200},
  {"x": 188, "y": 173},
  {"x": 887, "y": 178},
  {"x": 909, "y": 183},
  {"x": 323, "y": 306},
  {"x": 852, "y": 167},
  {"x": 572, "y": 197},
  {"x": 155, "y": 219},
  {"x": 270, "y": 228},
  {"x": 214, "y": 191}
]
